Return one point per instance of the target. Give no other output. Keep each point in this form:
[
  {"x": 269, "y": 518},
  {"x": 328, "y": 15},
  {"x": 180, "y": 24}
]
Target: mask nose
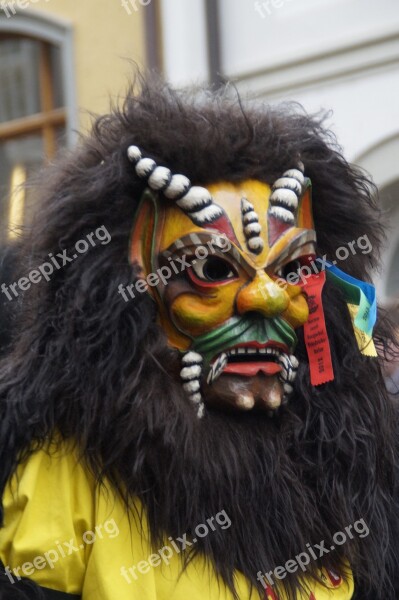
[{"x": 262, "y": 295}]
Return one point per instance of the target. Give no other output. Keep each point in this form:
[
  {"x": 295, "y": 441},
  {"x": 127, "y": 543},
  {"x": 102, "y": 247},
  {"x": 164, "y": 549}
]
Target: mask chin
[{"x": 235, "y": 392}]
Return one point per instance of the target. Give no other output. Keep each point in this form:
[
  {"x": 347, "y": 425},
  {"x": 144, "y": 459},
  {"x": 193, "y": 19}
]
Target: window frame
[{"x": 51, "y": 31}]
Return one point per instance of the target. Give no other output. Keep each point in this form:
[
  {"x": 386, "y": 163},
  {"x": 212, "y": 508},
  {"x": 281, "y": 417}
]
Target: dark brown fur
[{"x": 98, "y": 370}]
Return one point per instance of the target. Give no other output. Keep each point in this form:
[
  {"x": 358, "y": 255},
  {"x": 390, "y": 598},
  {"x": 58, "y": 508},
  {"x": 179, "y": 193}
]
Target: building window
[{"x": 32, "y": 121}]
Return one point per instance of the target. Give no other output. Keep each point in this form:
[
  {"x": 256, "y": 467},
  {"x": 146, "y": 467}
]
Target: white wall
[
  {"x": 327, "y": 54},
  {"x": 184, "y": 41},
  {"x": 260, "y": 34},
  {"x": 365, "y": 108}
]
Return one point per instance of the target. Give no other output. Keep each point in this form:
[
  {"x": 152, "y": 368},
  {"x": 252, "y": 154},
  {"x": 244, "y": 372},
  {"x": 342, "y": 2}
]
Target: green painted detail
[
  {"x": 241, "y": 330},
  {"x": 148, "y": 196}
]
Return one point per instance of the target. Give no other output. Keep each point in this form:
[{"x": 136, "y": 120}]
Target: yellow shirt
[{"x": 66, "y": 534}]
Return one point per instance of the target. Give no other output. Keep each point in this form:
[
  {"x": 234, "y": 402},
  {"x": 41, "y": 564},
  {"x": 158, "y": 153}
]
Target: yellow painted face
[
  {"x": 233, "y": 280},
  {"x": 221, "y": 287}
]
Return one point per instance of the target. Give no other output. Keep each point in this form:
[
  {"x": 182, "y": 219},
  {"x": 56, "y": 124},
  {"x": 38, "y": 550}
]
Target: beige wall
[{"x": 104, "y": 36}]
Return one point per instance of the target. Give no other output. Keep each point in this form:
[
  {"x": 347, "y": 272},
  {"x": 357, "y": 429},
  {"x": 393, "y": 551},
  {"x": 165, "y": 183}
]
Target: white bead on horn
[
  {"x": 196, "y": 202},
  {"x": 191, "y": 375},
  {"x": 286, "y": 193},
  {"x": 251, "y": 226}
]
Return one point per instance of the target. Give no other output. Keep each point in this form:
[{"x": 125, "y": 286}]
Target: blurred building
[
  {"x": 59, "y": 57},
  {"x": 59, "y": 62}
]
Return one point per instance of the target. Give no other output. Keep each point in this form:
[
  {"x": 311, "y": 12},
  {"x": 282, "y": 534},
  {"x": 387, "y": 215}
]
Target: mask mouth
[{"x": 251, "y": 358}]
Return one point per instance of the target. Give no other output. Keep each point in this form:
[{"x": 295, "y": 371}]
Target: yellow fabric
[
  {"x": 52, "y": 507},
  {"x": 364, "y": 341}
]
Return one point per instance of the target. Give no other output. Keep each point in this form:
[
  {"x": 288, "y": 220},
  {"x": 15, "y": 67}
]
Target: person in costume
[{"x": 194, "y": 407}]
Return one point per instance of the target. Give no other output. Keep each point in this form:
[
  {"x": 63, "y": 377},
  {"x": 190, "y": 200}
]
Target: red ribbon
[{"x": 316, "y": 338}]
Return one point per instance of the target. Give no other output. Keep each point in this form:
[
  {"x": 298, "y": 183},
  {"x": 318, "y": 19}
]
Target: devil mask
[{"x": 217, "y": 262}]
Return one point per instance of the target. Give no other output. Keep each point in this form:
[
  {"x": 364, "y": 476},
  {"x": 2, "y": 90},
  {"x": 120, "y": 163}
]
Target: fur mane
[{"x": 90, "y": 367}]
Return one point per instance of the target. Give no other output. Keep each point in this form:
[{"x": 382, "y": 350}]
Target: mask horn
[
  {"x": 195, "y": 201},
  {"x": 290, "y": 203},
  {"x": 286, "y": 193}
]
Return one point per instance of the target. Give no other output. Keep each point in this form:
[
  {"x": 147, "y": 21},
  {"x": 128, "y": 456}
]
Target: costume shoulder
[
  {"x": 58, "y": 526},
  {"x": 75, "y": 541},
  {"x": 48, "y": 504}
]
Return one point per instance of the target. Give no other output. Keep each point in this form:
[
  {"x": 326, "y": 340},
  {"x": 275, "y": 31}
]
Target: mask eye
[
  {"x": 293, "y": 266},
  {"x": 212, "y": 269}
]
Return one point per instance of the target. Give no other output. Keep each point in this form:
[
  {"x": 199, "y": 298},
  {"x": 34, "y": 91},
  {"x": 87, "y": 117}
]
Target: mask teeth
[
  {"x": 191, "y": 375},
  {"x": 217, "y": 368},
  {"x": 289, "y": 364}
]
